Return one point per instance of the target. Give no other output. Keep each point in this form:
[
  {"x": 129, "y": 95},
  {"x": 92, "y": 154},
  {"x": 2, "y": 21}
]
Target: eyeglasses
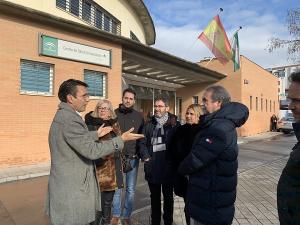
[
  {"x": 159, "y": 106},
  {"x": 103, "y": 108}
]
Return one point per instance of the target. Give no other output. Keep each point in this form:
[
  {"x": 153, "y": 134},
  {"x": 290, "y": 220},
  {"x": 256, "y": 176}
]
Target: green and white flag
[{"x": 235, "y": 49}]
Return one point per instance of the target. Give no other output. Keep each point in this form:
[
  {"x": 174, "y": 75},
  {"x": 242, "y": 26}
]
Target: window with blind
[
  {"x": 36, "y": 77},
  {"x": 97, "y": 83}
]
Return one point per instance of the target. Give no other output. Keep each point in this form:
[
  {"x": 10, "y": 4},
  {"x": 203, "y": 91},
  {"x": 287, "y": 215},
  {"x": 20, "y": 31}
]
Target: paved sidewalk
[
  {"x": 31, "y": 171},
  {"x": 256, "y": 198},
  {"x": 255, "y": 204}
]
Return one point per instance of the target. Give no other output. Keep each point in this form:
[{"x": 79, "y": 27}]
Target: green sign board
[
  {"x": 50, "y": 46},
  {"x": 55, "y": 47}
]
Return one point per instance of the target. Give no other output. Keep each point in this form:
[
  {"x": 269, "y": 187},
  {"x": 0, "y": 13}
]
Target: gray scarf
[{"x": 162, "y": 120}]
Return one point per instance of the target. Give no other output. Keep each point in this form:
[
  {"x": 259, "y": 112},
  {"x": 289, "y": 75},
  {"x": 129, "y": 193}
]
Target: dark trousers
[
  {"x": 103, "y": 217},
  {"x": 273, "y": 126},
  {"x": 168, "y": 205}
]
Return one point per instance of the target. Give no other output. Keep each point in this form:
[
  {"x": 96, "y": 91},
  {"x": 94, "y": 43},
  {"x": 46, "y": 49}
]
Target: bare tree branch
[{"x": 293, "y": 45}]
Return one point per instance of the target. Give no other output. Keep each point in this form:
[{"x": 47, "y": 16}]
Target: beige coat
[{"x": 73, "y": 194}]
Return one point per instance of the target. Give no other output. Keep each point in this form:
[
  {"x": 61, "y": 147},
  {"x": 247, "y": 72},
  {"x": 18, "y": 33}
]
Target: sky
[{"x": 178, "y": 23}]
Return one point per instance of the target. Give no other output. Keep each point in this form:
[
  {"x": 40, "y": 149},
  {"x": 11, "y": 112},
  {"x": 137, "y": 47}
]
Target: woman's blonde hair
[
  {"x": 95, "y": 113},
  {"x": 196, "y": 108}
]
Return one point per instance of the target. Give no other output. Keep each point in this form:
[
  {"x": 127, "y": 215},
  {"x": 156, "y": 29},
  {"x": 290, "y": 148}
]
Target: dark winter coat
[
  {"x": 159, "y": 169},
  {"x": 288, "y": 189},
  {"x": 128, "y": 118},
  {"x": 108, "y": 169},
  {"x": 212, "y": 166},
  {"x": 181, "y": 145}
]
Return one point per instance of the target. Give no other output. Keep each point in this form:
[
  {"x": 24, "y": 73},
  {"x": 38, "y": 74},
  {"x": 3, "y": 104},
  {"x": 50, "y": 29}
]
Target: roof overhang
[
  {"x": 145, "y": 18},
  {"x": 166, "y": 70},
  {"x": 137, "y": 59}
]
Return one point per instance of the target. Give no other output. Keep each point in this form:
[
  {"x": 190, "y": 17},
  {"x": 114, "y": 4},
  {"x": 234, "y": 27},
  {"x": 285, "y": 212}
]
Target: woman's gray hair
[
  {"x": 219, "y": 93},
  {"x": 95, "y": 113}
]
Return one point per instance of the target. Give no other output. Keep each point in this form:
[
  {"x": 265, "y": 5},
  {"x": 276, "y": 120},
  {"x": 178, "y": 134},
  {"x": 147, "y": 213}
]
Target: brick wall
[{"x": 25, "y": 119}]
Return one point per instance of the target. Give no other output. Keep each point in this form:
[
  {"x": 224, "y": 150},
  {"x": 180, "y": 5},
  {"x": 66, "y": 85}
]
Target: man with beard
[
  {"x": 288, "y": 189},
  {"x": 158, "y": 167},
  {"x": 211, "y": 165},
  {"x": 127, "y": 118}
]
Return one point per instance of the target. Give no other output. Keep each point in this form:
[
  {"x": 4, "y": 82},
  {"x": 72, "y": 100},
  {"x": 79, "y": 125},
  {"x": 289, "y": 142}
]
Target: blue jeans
[{"x": 131, "y": 178}]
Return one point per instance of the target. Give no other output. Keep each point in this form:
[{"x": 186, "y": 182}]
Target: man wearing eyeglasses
[
  {"x": 158, "y": 167},
  {"x": 73, "y": 193},
  {"x": 211, "y": 165}
]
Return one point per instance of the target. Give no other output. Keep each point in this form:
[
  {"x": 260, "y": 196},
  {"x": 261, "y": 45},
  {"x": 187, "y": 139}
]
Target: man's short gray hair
[
  {"x": 163, "y": 99},
  {"x": 219, "y": 93}
]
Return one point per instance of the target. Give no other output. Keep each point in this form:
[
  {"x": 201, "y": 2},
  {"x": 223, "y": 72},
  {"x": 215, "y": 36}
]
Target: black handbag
[{"x": 126, "y": 165}]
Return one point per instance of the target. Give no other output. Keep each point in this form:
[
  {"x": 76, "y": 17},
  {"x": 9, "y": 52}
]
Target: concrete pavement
[{"x": 256, "y": 195}]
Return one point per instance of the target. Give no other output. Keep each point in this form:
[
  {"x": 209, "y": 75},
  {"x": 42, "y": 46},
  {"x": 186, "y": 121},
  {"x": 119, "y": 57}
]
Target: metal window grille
[
  {"x": 92, "y": 13},
  {"x": 74, "y": 7},
  {"x": 86, "y": 11},
  {"x": 61, "y": 4},
  {"x": 98, "y": 19},
  {"x": 107, "y": 21},
  {"x": 36, "y": 77},
  {"x": 97, "y": 83}
]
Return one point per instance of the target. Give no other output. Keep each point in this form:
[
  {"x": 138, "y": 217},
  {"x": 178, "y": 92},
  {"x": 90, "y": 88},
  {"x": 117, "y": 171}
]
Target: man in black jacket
[
  {"x": 212, "y": 163},
  {"x": 288, "y": 189},
  {"x": 127, "y": 118},
  {"x": 158, "y": 165}
]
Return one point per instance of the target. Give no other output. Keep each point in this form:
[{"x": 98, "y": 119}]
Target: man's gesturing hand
[
  {"x": 103, "y": 130},
  {"x": 128, "y": 136}
]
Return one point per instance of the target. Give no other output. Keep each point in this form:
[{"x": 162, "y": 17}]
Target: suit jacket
[{"x": 73, "y": 194}]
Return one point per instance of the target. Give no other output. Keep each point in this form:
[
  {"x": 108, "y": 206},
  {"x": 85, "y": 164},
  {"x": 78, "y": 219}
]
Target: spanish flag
[{"x": 215, "y": 38}]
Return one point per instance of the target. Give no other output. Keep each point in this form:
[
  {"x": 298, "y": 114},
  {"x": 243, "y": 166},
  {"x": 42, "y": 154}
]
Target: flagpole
[
  {"x": 238, "y": 29},
  {"x": 220, "y": 10}
]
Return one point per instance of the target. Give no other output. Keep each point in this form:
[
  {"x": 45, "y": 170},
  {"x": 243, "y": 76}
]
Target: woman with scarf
[
  {"x": 181, "y": 145},
  {"x": 109, "y": 168}
]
